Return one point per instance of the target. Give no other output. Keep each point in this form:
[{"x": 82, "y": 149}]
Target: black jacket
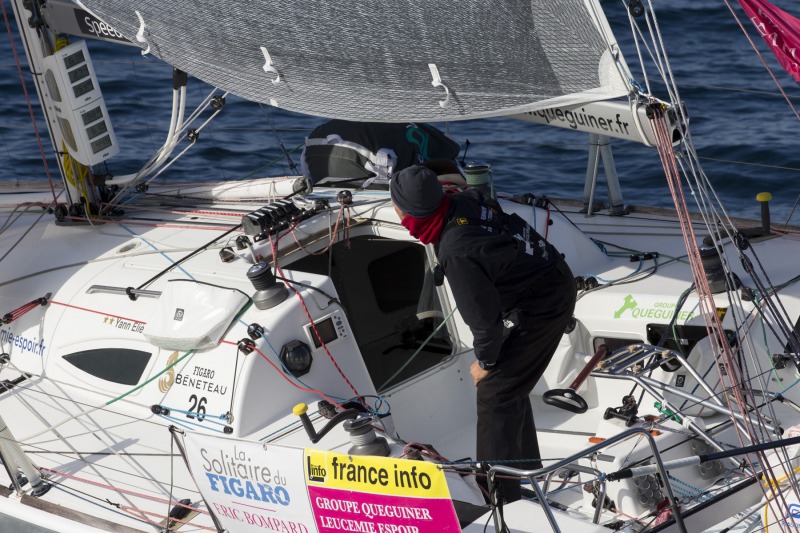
[{"x": 488, "y": 270}]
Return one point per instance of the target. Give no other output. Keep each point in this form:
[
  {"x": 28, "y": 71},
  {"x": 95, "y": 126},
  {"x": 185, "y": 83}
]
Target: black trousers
[{"x": 506, "y": 430}]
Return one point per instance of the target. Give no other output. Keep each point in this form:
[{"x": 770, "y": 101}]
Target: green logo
[
  {"x": 630, "y": 303},
  {"x": 663, "y": 310}
]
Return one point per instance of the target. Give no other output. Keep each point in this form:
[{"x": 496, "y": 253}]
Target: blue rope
[
  {"x": 795, "y": 382},
  {"x": 284, "y": 428},
  {"x": 697, "y": 492},
  {"x": 186, "y": 424},
  {"x": 601, "y": 246},
  {"x": 638, "y": 269},
  {"x": 572, "y": 487},
  {"x": 194, "y": 414},
  {"x": 165, "y": 256}
]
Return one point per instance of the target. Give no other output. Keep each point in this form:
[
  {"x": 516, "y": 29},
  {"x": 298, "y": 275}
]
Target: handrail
[
  {"x": 531, "y": 475},
  {"x": 128, "y": 291},
  {"x": 601, "y": 497}
]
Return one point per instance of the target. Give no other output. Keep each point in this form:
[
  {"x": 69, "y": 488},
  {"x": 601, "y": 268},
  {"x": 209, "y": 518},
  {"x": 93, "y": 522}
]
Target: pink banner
[
  {"x": 338, "y": 510},
  {"x": 780, "y": 31}
]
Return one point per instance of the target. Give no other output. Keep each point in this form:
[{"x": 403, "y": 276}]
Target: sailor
[{"x": 517, "y": 304}]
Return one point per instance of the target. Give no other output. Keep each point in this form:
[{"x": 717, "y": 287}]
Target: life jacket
[{"x": 473, "y": 208}]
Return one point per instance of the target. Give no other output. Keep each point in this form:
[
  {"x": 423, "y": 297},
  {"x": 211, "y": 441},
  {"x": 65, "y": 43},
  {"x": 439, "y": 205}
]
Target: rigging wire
[
  {"x": 763, "y": 61},
  {"x": 703, "y": 194},
  {"x": 713, "y": 324},
  {"x": 292, "y": 165},
  {"x": 13, "y": 246},
  {"x": 28, "y": 100},
  {"x": 175, "y": 134}
]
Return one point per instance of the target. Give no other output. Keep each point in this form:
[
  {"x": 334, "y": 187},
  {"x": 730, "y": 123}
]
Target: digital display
[
  {"x": 83, "y": 88},
  {"x": 74, "y": 59},
  {"x": 101, "y": 144},
  {"x": 79, "y": 73},
  {"x": 97, "y": 129},
  {"x": 92, "y": 116},
  {"x": 326, "y": 332}
]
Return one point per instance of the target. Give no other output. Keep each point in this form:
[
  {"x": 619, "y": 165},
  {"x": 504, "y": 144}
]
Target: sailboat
[{"x": 275, "y": 354}]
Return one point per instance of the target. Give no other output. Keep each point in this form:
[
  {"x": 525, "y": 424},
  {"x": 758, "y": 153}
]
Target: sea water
[{"x": 745, "y": 133}]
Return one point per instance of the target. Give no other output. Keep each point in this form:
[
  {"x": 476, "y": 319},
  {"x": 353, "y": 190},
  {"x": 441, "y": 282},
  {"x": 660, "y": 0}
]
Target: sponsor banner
[
  {"x": 64, "y": 16},
  {"x": 341, "y": 510},
  {"x": 23, "y": 344},
  {"x": 378, "y": 494},
  {"x": 631, "y": 308},
  {"x": 608, "y": 118},
  {"x": 250, "y": 486}
]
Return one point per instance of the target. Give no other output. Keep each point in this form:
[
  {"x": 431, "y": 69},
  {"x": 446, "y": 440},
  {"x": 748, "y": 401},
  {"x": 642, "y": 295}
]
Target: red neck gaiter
[{"x": 428, "y": 229}]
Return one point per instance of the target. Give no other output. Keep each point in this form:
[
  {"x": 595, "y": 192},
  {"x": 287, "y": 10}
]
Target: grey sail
[{"x": 377, "y": 61}]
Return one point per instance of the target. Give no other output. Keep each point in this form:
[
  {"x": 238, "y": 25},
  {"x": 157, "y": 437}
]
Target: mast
[{"x": 72, "y": 104}]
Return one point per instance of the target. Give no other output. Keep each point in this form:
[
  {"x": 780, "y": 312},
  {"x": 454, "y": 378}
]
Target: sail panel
[{"x": 370, "y": 61}]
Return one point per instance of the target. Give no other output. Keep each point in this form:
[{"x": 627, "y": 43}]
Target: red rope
[
  {"x": 122, "y": 491},
  {"x": 148, "y": 224},
  {"x": 130, "y": 207},
  {"x": 28, "y": 99},
  {"x": 140, "y": 514},
  {"x": 283, "y": 375},
  {"x": 713, "y": 324},
  {"x": 280, "y": 373},
  {"x": 330, "y": 243},
  {"x": 21, "y": 310},
  {"x": 96, "y": 312},
  {"x": 273, "y": 244}
]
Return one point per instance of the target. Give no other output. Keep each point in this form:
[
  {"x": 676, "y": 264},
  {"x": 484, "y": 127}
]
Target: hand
[{"x": 477, "y": 373}]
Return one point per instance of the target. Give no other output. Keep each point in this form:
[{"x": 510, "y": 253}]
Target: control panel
[
  {"x": 79, "y": 107},
  {"x": 330, "y": 328}
]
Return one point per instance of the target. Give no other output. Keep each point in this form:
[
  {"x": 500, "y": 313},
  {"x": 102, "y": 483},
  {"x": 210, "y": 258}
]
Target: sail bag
[{"x": 371, "y": 150}]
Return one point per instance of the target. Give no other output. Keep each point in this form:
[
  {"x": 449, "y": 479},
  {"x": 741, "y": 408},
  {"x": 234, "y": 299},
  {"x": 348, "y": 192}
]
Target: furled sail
[{"x": 403, "y": 60}]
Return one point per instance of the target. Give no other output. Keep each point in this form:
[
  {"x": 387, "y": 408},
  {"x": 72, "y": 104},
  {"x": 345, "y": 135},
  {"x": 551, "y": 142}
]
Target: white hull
[{"x": 120, "y": 452}]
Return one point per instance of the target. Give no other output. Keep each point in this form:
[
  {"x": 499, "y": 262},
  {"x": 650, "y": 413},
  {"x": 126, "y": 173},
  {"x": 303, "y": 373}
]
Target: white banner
[
  {"x": 608, "y": 118},
  {"x": 251, "y": 486}
]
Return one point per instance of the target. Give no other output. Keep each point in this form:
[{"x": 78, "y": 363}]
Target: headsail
[
  {"x": 405, "y": 60},
  {"x": 780, "y": 31}
]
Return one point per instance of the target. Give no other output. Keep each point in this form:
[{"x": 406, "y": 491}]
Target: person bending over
[{"x": 517, "y": 297}]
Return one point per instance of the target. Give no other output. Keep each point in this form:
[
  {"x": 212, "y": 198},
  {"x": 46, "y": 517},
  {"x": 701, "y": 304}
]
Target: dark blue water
[{"x": 745, "y": 133}]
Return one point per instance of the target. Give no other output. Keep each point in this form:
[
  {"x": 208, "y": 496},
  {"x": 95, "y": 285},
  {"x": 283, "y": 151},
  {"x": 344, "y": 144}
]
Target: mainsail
[{"x": 404, "y": 60}]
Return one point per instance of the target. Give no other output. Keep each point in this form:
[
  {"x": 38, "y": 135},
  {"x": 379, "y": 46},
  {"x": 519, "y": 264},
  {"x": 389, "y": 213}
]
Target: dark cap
[{"x": 416, "y": 191}]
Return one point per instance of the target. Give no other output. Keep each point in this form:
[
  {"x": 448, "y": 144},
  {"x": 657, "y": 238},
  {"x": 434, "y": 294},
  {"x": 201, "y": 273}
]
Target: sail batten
[{"x": 370, "y": 60}]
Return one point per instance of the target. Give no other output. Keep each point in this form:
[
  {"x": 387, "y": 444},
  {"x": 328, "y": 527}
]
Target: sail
[
  {"x": 397, "y": 61},
  {"x": 780, "y": 31}
]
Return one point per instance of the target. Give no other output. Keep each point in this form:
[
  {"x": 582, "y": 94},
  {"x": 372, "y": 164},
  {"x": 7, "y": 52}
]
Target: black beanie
[{"x": 416, "y": 191}]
